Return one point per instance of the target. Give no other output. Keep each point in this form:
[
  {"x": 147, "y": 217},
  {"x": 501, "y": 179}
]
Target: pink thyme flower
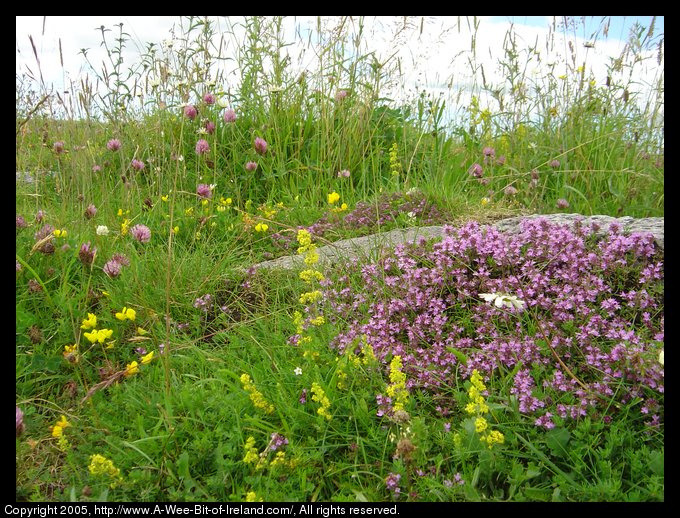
[
  {"x": 96, "y": 168},
  {"x": 137, "y": 164},
  {"x": 90, "y": 211},
  {"x": 251, "y": 166},
  {"x": 344, "y": 173},
  {"x": 340, "y": 95},
  {"x": 510, "y": 190},
  {"x": 562, "y": 203},
  {"x": 190, "y": 111},
  {"x": 210, "y": 127},
  {"x": 489, "y": 151},
  {"x": 209, "y": 98},
  {"x": 113, "y": 144},
  {"x": 204, "y": 191},
  {"x": 476, "y": 170},
  {"x": 59, "y": 147},
  {"x": 21, "y": 222},
  {"x": 141, "y": 233},
  {"x": 554, "y": 164},
  {"x": 202, "y": 146},
  {"x": 39, "y": 216},
  {"x": 229, "y": 115},
  {"x": 260, "y": 145}
]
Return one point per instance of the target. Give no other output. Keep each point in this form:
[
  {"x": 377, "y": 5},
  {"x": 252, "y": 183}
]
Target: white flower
[
  {"x": 102, "y": 230},
  {"x": 223, "y": 102},
  {"x": 154, "y": 82},
  {"x": 503, "y": 299},
  {"x": 661, "y": 357},
  {"x": 298, "y": 371}
]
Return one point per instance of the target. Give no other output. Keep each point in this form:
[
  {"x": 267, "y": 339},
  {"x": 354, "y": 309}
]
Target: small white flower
[
  {"x": 102, "y": 230},
  {"x": 202, "y": 131},
  {"x": 155, "y": 82},
  {"x": 223, "y": 102},
  {"x": 298, "y": 371},
  {"x": 661, "y": 357},
  {"x": 503, "y": 299}
]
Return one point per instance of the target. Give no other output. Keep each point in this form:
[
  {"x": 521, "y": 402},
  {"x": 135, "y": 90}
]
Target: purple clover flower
[
  {"x": 229, "y": 115},
  {"x": 260, "y": 145},
  {"x": 141, "y": 233},
  {"x": 190, "y": 111},
  {"x": 202, "y": 147},
  {"x": 113, "y": 145}
]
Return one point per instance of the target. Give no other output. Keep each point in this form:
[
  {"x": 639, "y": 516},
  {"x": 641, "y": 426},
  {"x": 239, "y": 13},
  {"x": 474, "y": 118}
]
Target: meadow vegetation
[{"x": 154, "y": 363}]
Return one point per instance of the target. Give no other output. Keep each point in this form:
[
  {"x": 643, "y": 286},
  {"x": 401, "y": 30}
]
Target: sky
[{"x": 433, "y": 56}]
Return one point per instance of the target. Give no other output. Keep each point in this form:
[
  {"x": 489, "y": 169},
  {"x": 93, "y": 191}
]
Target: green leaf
[{"x": 557, "y": 440}]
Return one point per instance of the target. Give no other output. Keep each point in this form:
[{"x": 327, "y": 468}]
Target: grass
[{"x": 184, "y": 424}]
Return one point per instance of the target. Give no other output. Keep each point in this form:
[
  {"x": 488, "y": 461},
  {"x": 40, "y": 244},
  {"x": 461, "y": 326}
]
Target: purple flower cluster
[
  {"x": 113, "y": 266},
  {"x": 277, "y": 441},
  {"x": 392, "y": 483},
  {"x": 45, "y": 237},
  {"x": 203, "y": 303},
  {"x": 598, "y": 304},
  {"x": 87, "y": 253}
]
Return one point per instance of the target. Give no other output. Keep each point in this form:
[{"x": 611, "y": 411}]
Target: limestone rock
[{"x": 369, "y": 247}]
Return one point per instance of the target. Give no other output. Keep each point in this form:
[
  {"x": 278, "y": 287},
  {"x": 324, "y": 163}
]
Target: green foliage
[{"x": 177, "y": 425}]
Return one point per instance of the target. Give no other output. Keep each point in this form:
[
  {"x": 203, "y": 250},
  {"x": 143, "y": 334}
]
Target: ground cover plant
[{"x": 155, "y": 362}]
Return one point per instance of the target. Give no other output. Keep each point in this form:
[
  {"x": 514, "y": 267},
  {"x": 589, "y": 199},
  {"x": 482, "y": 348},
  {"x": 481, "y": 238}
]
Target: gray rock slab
[{"x": 370, "y": 247}]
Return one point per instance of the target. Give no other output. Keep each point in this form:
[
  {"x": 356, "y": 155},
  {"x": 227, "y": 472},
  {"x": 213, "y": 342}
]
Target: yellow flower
[
  {"x": 485, "y": 201},
  {"x": 59, "y": 233},
  {"x": 261, "y": 227},
  {"x": 251, "y": 497},
  {"x": 124, "y": 227},
  {"x": 58, "y": 429},
  {"x": 120, "y": 212},
  {"x": 101, "y": 466},
  {"x": 333, "y": 197},
  {"x": 146, "y": 359},
  {"x": 189, "y": 211},
  {"x": 99, "y": 335},
  {"x": 131, "y": 368},
  {"x": 164, "y": 198},
  {"x": 480, "y": 425},
  {"x": 106, "y": 293},
  {"x": 90, "y": 322},
  {"x": 563, "y": 76},
  {"x": 126, "y": 314},
  {"x": 141, "y": 331}
]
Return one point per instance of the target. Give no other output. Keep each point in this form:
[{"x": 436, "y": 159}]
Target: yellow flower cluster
[
  {"x": 260, "y": 460},
  {"x": 252, "y": 497},
  {"x": 58, "y": 433},
  {"x": 101, "y": 466},
  {"x": 261, "y": 227},
  {"x": 252, "y": 456},
  {"x": 310, "y": 296},
  {"x": 99, "y": 336},
  {"x": 309, "y": 276},
  {"x": 397, "y": 388},
  {"x": 126, "y": 314},
  {"x": 255, "y": 395},
  {"x": 478, "y": 407},
  {"x": 320, "y": 397},
  {"x": 395, "y": 164}
]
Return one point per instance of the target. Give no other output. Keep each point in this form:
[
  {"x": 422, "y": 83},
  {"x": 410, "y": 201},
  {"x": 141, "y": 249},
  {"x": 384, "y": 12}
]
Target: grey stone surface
[{"x": 369, "y": 247}]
